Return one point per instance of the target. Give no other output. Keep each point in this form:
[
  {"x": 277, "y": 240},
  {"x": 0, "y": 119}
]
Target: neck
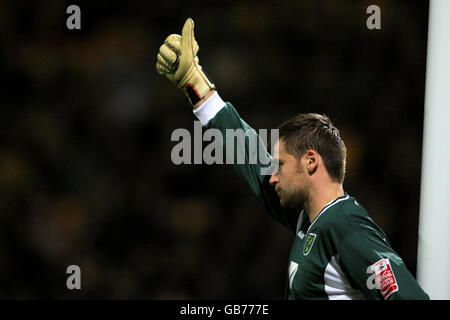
[{"x": 320, "y": 197}]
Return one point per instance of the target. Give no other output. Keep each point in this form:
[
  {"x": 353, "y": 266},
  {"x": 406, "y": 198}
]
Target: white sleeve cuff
[{"x": 209, "y": 108}]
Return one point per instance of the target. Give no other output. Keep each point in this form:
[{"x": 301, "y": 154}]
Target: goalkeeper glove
[{"x": 177, "y": 60}]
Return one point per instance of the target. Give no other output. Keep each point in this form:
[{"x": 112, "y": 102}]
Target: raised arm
[{"x": 177, "y": 60}]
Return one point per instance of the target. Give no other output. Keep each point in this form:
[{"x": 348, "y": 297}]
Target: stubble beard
[{"x": 293, "y": 199}]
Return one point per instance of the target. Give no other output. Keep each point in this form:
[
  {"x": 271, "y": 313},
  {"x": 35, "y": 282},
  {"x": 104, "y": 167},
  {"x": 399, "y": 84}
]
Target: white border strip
[{"x": 329, "y": 205}]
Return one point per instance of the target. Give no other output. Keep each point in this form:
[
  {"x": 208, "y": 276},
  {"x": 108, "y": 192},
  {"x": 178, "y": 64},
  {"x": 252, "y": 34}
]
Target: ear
[{"x": 312, "y": 161}]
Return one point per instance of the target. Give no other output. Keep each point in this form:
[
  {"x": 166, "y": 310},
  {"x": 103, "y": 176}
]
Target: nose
[{"x": 273, "y": 179}]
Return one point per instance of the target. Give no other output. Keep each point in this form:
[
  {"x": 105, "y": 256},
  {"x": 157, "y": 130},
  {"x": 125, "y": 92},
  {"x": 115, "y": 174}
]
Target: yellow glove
[{"x": 177, "y": 60}]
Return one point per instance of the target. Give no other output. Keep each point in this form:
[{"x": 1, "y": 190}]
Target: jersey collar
[
  {"x": 327, "y": 206},
  {"x": 302, "y": 219}
]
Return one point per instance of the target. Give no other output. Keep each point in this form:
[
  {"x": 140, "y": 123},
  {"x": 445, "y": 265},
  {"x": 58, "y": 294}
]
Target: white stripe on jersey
[{"x": 337, "y": 286}]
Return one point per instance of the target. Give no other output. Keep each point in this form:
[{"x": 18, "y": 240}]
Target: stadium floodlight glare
[{"x": 433, "y": 267}]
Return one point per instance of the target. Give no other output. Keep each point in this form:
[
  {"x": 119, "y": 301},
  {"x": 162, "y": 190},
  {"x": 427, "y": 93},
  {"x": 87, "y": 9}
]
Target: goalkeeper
[{"x": 338, "y": 252}]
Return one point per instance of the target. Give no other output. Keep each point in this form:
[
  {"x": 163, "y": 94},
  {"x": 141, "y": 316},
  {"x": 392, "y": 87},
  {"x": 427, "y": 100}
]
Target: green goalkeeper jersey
[{"x": 342, "y": 254}]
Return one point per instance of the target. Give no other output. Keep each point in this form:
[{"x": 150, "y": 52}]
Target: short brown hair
[{"x": 317, "y": 132}]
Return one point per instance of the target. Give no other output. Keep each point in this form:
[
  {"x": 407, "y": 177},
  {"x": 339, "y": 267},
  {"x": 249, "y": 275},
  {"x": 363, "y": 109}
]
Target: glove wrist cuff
[{"x": 196, "y": 85}]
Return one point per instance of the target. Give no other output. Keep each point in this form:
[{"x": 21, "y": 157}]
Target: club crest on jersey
[{"x": 309, "y": 243}]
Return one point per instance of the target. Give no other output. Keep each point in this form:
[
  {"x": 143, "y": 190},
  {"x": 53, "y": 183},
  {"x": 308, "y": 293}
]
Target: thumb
[{"x": 187, "y": 41}]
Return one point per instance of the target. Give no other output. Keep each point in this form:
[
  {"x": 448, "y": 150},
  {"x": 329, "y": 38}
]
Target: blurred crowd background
[{"x": 86, "y": 176}]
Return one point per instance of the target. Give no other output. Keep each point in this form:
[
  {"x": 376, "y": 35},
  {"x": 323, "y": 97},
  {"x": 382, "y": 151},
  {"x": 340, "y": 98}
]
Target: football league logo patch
[
  {"x": 309, "y": 243},
  {"x": 382, "y": 278}
]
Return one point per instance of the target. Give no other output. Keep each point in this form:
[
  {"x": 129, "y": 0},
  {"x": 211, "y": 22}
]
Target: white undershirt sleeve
[{"x": 209, "y": 108}]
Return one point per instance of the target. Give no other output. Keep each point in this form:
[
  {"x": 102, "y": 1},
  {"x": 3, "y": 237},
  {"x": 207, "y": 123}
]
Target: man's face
[{"x": 291, "y": 182}]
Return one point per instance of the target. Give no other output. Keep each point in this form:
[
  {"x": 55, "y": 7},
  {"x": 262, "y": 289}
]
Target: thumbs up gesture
[{"x": 177, "y": 60}]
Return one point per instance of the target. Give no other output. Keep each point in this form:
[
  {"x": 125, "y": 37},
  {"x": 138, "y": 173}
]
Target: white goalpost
[{"x": 433, "y": 260}]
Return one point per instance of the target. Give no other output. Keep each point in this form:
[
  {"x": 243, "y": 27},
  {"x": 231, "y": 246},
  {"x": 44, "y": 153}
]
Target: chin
[
  {"x": 293, "y": 201},
  {"x": 290, "y": 204}
]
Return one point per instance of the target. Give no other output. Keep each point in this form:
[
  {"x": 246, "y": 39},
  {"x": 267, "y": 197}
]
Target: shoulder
[
  {"x": 348, "y": 216},
  {"x": 343, "y": 212}
]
